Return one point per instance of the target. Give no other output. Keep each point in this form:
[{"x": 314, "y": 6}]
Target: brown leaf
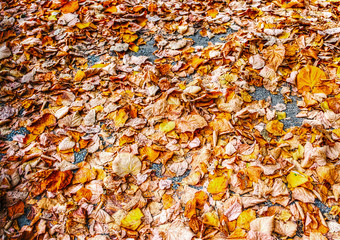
[
  {"x": 38, "y": 126},
  {"x": 190, "y": 123},
  {"x": 274, "y": 56},
  {"x": 16, "y": 210},
  {"x": 58, "y": 180}
]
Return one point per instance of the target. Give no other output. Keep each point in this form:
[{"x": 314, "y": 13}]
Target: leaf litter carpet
[{"x": 169, "y": 120}]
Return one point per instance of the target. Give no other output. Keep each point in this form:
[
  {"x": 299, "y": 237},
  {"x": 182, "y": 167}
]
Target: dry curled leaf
[{"x": 191, "y": 123}]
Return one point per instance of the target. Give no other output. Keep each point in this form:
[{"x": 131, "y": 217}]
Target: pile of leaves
[{"x": 99, "y": 142}]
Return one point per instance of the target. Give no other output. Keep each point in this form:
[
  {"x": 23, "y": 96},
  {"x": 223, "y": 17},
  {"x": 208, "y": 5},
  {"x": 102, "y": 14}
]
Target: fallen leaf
[
  {"x": 275, "y": 127},
  {"x": 296, "y": 179},
  {"x": 191, "y": 123},
  {"x": 70, "y": 7},
  {"x": 309, "y": 78},
  {"x": 58, "y": 180},
  {"x": 126, "y": 163},
  {"x": 38, "y": 126},
  {"x": 218, "y": 185},
  {"x": 133, "y": 219}
]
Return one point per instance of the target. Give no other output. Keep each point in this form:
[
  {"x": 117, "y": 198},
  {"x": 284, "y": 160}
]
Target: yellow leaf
[
  {"x": 281, "y": 115},
  {"x": 239, "y": 233},
  {"x": 211, "y": 218},
  {"x": 246, "y": 96},
  {"x": 99, "y": 65},
  {"x": 126, "y": 139},
  {"x": 133, "y": 219},
  {"x": 129, "y": 38},
  {"x": 111, "y": 9},
  {"x": 80, "y": 75},
  {"x": 309, "y": 77},
  {"x": 298, "y": 153},
  {"x": 27, "y": 103},
  {"x": 134, "y": 48},
  {"x": 218, "y": 185},
  {"x": 335, "y": 210},
  {"x": 70, "y": 7},
  {"x": 284, "y": 215},
  {"x": 86, "y": 25},
  {"x": 296, "y": 179},
  {"x": 212, "y": 13},
  {"x": 167, "y": 126},
  {"x": 245, "y": 218},
  {"x": 336, "y": 131},
  {"x": 275, "y": 127}
]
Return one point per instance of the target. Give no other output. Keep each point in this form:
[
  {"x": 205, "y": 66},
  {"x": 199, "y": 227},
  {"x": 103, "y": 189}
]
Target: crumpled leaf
[
  {"x": 288, "y": 228},
  {"x": 5, "y": 52},
  {"x": 303, "y": 195},
  {"x": 191, "y": 123},
  {"x": 274, "y": 56},
  {"x": 211, "y": 218},
  {"x": 38, "y": 126},
  {"x": 177, "y": 230},
  {"x": 275, "y": 127},
  {"x": 263, "y": 225},
  {"x": 66, "y": 144},
  {"x": 126, "y": 163},
  {"x": 16, "y": 210},
  {"x": 58, "y": 180}
]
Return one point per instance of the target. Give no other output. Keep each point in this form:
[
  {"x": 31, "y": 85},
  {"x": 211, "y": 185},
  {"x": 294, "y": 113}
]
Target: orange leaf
[
  {"x": 212, "y": 13},
  {"x": 84, "y": 175},
  {"x": 70, "y": 7},
  {"x": 168, "y": 201},
  {"x": 83, "y": 193},
  {"x": 112, "y": 9},
  {"x": 16, "y": 210},
  {"x": 195, "y": 62},
  {"x": 39, "y": 125},
  {"x": 309, "y": 77},
  {"x": 190, "y": 208},
  {"x": 58, "y": 180},
  {"x": 201, "y": 198},
  {"x": 149, "y": 153}
]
